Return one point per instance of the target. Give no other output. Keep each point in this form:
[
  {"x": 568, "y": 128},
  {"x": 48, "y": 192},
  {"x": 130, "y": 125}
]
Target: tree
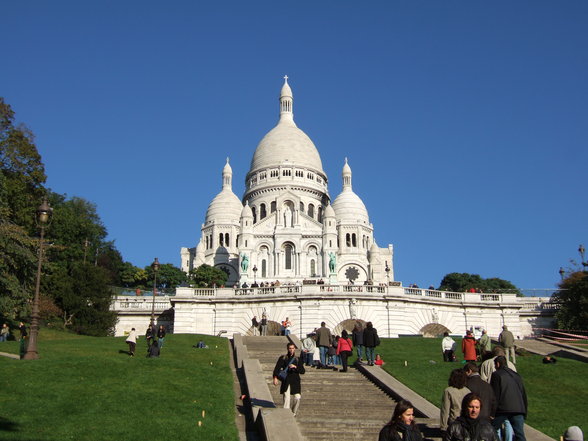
[
  {"x": 23, "y": 172},
  {"x": 573, "y": 301},
  {"x": 463, "y": 282},
  {"x": 208, "y": 276},
  {"x": 168, "y": 276}
]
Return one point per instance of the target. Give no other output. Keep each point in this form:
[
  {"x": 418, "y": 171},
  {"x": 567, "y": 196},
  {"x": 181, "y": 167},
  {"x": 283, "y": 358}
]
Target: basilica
[{"x": 285, "y": 229}]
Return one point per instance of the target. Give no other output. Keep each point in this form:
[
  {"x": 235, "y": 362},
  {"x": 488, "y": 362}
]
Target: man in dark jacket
[
  {"x": 323, "y": 341},
  {"x": 370, "y": 340},
  {"x": 511, "y": 398},
  {"x": 480, "y": 388},
  {"x": 293, "y": 366}
]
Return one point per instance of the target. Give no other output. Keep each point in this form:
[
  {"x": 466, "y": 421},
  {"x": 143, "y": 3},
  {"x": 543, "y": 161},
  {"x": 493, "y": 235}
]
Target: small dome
[
  {"x": 246, "y": 212},
  {"x": 329, "y": 212},
  {"x": 224, "y": 208},
  {"x": 286, "y": 91},
  {"x": 349, "y": 208},
  {"x": 227, "y": 168}
]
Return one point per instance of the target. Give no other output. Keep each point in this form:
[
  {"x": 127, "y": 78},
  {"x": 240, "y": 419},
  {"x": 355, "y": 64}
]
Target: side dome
[
  {"x": 224, "y": 208},
  {"x": 348, "y": 207}
]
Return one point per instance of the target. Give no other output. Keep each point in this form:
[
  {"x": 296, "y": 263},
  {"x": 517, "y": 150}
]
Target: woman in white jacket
[{"x": 132, "y": 342}]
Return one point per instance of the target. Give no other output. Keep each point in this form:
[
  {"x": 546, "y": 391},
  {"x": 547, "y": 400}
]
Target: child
[{"x": 378, "y": 361}]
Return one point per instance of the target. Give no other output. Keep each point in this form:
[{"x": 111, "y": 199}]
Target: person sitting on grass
[{"x": 379, "y": 361}]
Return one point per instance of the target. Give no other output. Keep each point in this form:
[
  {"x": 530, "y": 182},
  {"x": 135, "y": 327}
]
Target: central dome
[{"x": 286, "y": 142}]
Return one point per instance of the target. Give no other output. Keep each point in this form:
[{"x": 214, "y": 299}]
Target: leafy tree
[
  {"x": 23, "y": 173},
  {"x": 463, "y": 282},
  {"x": 168, "y": 276},
  {"x": 18, "y": 265},
  {"x": 207, "y": 276},
  {"x": 573, "y": 300}
]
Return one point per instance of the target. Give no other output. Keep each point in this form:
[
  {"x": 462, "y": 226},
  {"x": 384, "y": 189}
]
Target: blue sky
[{"x": 465, "y": 122}]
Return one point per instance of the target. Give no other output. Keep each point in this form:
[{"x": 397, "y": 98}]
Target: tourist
[
  {"x": 288, "y": 369},
  {"x": 344, "y": 349},
  {"x": 471, "y": 425},
  {"x": 287, "y": 324},
  {"x": 468, "y": 347},
  {"x": 506, "y": 339},
  {"x": 511, "y": 398},
  {"x": 401, "y": 426},
  {"x": 480, "y": 388},
  {"x": 23, "y": 337},
  {"x": 153, "y": 351},
  {"x": 308, "y": 346},
  {"x": 488, "y": 367},
  {"x": 150, "y": 335},
  {"x": 452, "y": 398},
  {"x": 4, "y": 332},
  {"x": 357, "y": 338},
  {"x": 323, "y": 341},
  {"x": 548, "y": 359},
  {"x": 160, "y": 336},
  {"x": 332, "y": 357},
  {"x": 573, "y": 433},
  {"x": 370, "y": 340},
  {"x": 132, "y": 341},
  {"x": 263, "y": 324},
  {"x": 448, "y": 347},
  {"x": 485, "y": 344},
  {"x": 379, "y": 361},
  {"x": 254, "y": 325}
]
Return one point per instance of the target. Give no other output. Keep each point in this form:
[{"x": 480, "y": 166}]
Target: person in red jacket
[
  {"x": 468, "y": 347},
  {"x": 344, "y": 349}
]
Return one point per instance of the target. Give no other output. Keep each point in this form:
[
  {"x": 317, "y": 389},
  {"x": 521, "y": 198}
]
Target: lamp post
[
  {"x": 155, "y": 266},
  {"x": 255, "y": 274},
  {"x": 582, "y": 250},
  {"x": 561, "y": 272},
  {"x": 43, "y": 218}
]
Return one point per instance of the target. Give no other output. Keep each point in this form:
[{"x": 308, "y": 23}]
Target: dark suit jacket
[{"x": 484, "y": 390}]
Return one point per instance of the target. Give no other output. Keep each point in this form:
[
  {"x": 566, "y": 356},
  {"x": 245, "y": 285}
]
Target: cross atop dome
[{"x": 286, "y": 78}]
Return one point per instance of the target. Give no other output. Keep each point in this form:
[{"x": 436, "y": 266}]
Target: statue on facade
[
  {"x": 353, "y": 308},
  {"x": 244, "y": 262},
  {"x": 287, "y": 217},
  {"x": 332, "y": 262}
]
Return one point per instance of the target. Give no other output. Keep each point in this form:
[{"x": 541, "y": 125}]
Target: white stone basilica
[{"x": 286, "y": 228}]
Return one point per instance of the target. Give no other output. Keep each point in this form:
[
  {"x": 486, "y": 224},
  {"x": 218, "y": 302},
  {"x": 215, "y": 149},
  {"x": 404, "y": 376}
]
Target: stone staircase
[{"x": 335, "y": 406}]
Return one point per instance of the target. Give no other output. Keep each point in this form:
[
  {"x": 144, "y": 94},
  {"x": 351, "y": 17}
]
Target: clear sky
[{"x": 465, "y": 122}]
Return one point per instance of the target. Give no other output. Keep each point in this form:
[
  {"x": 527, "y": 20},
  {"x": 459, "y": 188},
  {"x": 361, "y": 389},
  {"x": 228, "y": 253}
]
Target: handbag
[{"x": 284, "y": 372}]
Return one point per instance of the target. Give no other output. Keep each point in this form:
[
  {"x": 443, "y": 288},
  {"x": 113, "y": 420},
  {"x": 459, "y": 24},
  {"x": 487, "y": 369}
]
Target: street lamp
[
  {"x": 43, "y": 218},
  {"x": 255, "y": 274},
  {"x": 155, "y": 266},
  {"x": 561, "y": 272}
]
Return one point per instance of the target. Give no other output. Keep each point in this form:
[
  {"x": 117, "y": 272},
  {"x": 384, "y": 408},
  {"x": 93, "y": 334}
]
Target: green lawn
[
  {"x": 87, "y": 388},
  {"x": 557, "y": 394}
]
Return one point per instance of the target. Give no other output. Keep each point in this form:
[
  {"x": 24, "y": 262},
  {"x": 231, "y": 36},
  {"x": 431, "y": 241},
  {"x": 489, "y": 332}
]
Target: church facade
[{"x": 285, "y": 227}]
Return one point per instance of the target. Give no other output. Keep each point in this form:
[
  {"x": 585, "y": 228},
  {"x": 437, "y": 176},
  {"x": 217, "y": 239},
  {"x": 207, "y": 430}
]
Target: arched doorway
[
  {"x": 433, "y": 330},
  {"x": 348, "y": 325}
]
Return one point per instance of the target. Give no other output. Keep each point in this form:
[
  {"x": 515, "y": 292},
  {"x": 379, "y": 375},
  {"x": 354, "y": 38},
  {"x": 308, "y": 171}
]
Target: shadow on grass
[
  {"x": 7, "y": 425},
  {"x": 121, "y": 351}
]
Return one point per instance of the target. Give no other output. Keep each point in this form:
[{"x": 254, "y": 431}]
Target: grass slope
[
  {"x": 557, "y": 394},
  {"x": 87, "y": 388}
]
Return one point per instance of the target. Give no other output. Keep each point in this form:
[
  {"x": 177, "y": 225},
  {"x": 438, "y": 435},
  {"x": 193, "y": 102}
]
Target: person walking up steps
[
  {"x": 288, "y": 369},
  {"x": 323, "y": 341},
  {"x": 506, "y": 339},
  {"x": 370, "y": 340}
]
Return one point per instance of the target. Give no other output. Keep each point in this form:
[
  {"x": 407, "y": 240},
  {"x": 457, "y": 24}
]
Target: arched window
[
  {"x": 320, "y": 214},
  {"x": 354, "y": 239},
  {"x": 273, "y": 207},
  {"x": 264, "y": 268},
  {"x": 302, "y": 207},
  {"x": 311, "y": 210},
  {"x": 288, "y": 252},
  {"x": 348, "y": 239},
  {"x": 227, "y": 241},
  {"x": 254, "y": 211},
  {"x": 262, "y": 212},
  {"x": 221, "y": 240},
  {"x": 206, "y": 242},
  {"x": 312, "y": 268}
]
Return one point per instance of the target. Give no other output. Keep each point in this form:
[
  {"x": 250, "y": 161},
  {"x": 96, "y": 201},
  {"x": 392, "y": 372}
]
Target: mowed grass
[
  {"x": 88, "y": 388},
  {"x": 557, "y": 393}
]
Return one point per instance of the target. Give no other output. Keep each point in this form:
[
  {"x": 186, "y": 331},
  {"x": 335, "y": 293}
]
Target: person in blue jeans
[
  {"x": 323, "y": 341},
  {"x": 511, "y": 398},
  {"x": 370, "y": 340}
]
